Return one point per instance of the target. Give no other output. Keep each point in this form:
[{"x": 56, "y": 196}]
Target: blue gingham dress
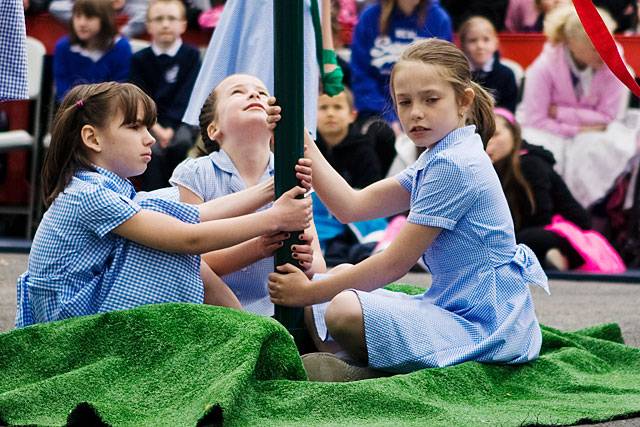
[
  {"x": 13, "y": 52},
  {"x": 215, "y": 176},
  {"x": 479, "y": 306},
  {"x": 78, "y": 267}
]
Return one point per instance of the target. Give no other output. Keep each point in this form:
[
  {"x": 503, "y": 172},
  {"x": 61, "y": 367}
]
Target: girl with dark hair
[
  {"x": 98, "y": 248},
  {"x": 92, "y": 52}
]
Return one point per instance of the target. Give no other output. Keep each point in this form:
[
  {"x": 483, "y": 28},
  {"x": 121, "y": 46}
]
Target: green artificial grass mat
[{"x": 188, "y": 365}]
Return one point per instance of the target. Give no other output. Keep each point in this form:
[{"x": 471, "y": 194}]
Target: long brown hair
[
  {"x": 455, "y": 69},
  {"x": 510, "y": 173},
  {"x": 95, "y": 105},
  {"x": 387, "y": 8},
  {"x": 103, "y": 10}
]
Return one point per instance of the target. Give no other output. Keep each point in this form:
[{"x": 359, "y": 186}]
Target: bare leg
[
  {"x": 345, "y": 323},
  {"x": 216, "y": 292},
  {"x": 330, "y": 347}
]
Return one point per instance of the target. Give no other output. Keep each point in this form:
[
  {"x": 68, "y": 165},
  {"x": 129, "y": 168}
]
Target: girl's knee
[{"x": 344, "y": 314}]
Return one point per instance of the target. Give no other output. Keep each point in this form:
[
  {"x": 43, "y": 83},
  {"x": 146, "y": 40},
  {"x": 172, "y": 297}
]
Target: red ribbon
[{"x": 604, "y": 43}]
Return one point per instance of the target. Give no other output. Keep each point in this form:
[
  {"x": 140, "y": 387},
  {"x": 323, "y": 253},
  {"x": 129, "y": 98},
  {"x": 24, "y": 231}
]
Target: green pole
[{"x": 289, "y": 134}]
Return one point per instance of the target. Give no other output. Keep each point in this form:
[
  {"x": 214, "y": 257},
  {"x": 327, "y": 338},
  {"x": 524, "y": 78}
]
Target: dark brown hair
[
  {"x": 103, "y": 10},
  {"x": 513, "y": 182},
  {"x": 387, "y": 8},
  {"x": 95, "y": 105},
  {"x": 454, "y": 66}
]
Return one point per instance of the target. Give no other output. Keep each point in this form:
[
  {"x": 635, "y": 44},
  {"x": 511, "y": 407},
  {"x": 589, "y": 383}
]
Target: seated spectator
[
  {"x": 383, "y": 31},
  {"x": 527, "y": 16},
  {"x": 167, "y": 71},
  {"x": 570, "y": 104},
  {"x": 135, "y": 10},
  {"x": 92, "y": 52},
  {"x": 353, "y": 156},
  {"x": 535, "y": 192},
  {"x": 479, "y": 42}
]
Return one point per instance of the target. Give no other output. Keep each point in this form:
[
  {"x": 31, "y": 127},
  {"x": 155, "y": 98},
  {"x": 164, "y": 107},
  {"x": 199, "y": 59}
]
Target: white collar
[
  {"x": 92, "y": 54},
  {"x": 171, "y": 51},
  {"x": 487, "y": 67}
]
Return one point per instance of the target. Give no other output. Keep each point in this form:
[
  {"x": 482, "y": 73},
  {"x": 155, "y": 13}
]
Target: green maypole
[{"x": 289, "y": 134}]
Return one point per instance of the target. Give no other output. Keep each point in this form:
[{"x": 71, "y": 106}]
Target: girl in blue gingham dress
[
  {"x": 479, "y": 306},
  {"x": 97, "y": 249},
  {"x": 237, "y": 143}
]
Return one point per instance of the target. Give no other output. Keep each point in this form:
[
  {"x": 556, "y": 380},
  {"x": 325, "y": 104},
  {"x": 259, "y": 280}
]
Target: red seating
[{"x": 524, "y": 48}]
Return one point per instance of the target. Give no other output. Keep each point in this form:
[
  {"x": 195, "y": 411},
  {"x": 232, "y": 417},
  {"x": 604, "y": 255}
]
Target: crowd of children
[{"x": 429, "y": 132}]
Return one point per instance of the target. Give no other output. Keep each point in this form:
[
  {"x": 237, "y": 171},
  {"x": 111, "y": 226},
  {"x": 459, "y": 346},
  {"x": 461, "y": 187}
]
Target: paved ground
[{"x": 572, "y": 305}]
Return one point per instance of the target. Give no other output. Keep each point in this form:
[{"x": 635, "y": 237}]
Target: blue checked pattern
[
  {"x": 216, "y": 176},
  {"x": 479, "y": 306},
  {"x": 13, "y": 53},
  {"x": 78, "y": 267}
]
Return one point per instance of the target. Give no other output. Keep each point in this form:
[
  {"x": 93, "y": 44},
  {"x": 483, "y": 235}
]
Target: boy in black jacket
[{"x": 167, "y": 71}]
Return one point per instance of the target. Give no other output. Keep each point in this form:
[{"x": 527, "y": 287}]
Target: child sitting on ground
[
  {"x": 237, "y": 155},
  {"x": 479, "y": 306},
  {"x": 97, "y": 249}
]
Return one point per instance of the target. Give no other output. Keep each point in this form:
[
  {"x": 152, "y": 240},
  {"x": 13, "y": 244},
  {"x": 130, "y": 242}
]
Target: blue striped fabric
[
  {"x": 78, "y": 267},
  {"x": 214, "y": 176}
]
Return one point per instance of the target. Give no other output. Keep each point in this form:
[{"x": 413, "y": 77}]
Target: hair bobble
[{"x": 79, "y": 103}]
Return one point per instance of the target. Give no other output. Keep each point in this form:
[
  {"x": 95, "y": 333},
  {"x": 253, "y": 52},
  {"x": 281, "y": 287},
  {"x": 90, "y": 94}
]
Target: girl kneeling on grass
[
  {"x": 97, "y": 249},
  {"x": 479, "y": 306}
]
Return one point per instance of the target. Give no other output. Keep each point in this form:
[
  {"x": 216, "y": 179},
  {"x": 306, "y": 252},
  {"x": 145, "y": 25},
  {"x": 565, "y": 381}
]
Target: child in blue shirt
[
  {"x": 479, "y": 306},
  {"x": 92, "y": 52},
  {"x": 97, "y": 249},
  {"x": 384, "y": 29},
  {"x": 237, "y": 155}
]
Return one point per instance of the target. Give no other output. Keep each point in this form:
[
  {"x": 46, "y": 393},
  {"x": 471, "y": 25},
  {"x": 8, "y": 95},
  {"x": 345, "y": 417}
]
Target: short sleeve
[
  {"x": 102, "y": 209},
  {"x": 182, "y": 211},
  {"x": 405, "y": 178},
  {"x": 445, "y": 192},
  {"x": 190, "y": 175}
]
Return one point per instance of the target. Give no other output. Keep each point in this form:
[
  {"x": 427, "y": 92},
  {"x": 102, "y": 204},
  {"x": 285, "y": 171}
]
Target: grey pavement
[{"x": 571, "y": 305}]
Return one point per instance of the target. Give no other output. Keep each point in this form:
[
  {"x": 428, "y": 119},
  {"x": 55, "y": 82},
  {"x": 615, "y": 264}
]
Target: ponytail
[{"x": 481, "y": 113}]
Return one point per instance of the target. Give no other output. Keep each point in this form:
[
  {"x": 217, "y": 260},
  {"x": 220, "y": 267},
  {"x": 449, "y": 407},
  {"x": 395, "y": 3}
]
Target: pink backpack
[{"x": 598, "y": 254}]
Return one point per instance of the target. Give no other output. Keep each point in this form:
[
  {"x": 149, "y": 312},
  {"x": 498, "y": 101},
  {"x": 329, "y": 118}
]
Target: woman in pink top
[{"x": 570, "y": 95}]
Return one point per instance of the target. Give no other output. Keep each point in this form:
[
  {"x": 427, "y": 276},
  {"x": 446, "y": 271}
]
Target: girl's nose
[{"x": 148, "y": 138}]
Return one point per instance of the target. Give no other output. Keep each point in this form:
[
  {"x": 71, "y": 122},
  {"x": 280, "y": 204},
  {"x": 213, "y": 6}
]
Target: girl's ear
[
  {"x": 90, "y": 138},
  {"x": 466, "y": 101},
  {"x": 213, "y": 132}
]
